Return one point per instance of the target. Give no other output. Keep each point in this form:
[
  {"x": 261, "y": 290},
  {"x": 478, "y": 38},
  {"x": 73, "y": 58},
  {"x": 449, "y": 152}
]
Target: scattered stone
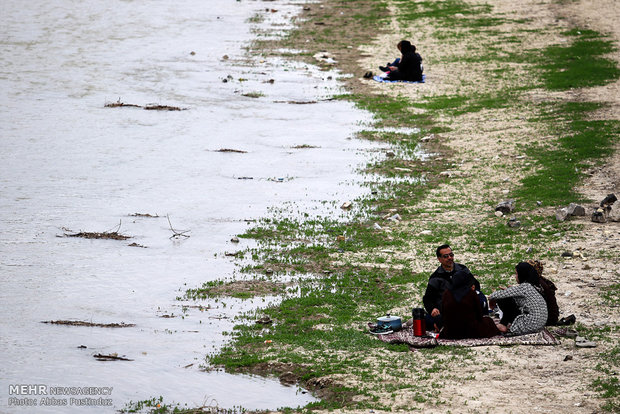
[
  {"x": 561, "y": 214},
  {"x": 235, "y": 239},
  {"x": 426, "y": 233},
  {"x": 82, "y": 347},
  {"x": 609, "y": 200},
  {"x": 325, "y": 58},
  {"x": 576, "y": 210},
  {"x": 265, "y": 320},
  {"x": 346, "y": 205},
  {"x": 529, "y": 250},
  {"x": 568, "y": 358},
  {"x": 586, "y": 267},
  {"x": 192, "y": 53},
  {"x": 539, "y": 203},
  {"x": 225, "y": 57},
  {"x": 506, "y": 206},
  {"x": 514, "y": 223},
  {"x": 395, "y": 217},
  {"x": 568, "y": 293},
  {"x": 499, "y": 214},
  {"x": 601, "y": 214},
  {"x": 390, "y": 154},
  {"x": 268, "y": 271},
  {"x": 368, "y": 75},
  {"x": 340, "y": 238},
  {"x": 376, "y": 226},
  {"x": 582, "y": 342},
  {"x": 567, "y": 254}
]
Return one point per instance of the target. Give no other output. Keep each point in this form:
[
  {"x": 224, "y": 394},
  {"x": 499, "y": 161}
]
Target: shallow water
[{"x": 68, "y": 164}]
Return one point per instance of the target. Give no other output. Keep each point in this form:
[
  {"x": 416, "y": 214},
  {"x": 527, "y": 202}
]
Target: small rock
[
  {"x": 567, "y": 254},
  {"x": 529, "y": 249},
  {"x": 568, "y": 293},
  {"x": 82, "y": 347},
  {"x": 390, "y": 154},
  {"x": 568, "y": 358},
  {"x": 506, "y": 206},
  {"x": 225, "y": 57},
  {"x": 346, "y": 205},
  {"x": 499, "y": 214},
  {"x": 395, "y": 217},
  {"x": 594, "y": 277},
  {"x": 609, "y": 200},
  {"x": 268, "y": 271},
  {"x": 376, "y": 226},
  {"x": 340, "y": 238},
  {"x": 600, "y": 215},
  {"x": 586, "y": 267},
  {"x": 235, "y": 239},
  {"x": 265, "y": 320},
  {"x": 426, "y": 233},
  {"x": 561, "y": 214},
  {"x": 575, "y": 210},
  {"x": 192, "y": 53},
  {"x": 514, "y": 223},
  {"x": 539, "y": 203}
]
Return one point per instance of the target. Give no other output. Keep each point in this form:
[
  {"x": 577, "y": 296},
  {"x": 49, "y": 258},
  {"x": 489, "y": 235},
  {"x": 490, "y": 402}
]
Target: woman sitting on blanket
[
  {"x": 462, "y": 313},
  {"x": 408, "y": 67},
  {"x": 531, "y": 306}
]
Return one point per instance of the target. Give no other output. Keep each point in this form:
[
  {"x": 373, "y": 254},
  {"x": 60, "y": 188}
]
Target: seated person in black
[
  {"x": 462, "y": 313},
  {"x": 439, "y": 282},
  {"x": 409, "y": 67}
]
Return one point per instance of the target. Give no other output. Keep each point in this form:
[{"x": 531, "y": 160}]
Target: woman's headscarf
[
  {"x": 405, "y": 46},
  {"x": 461, "y": 284},
  {"x": 536, "y": 265},
  {"x": 528, "y": 274}
]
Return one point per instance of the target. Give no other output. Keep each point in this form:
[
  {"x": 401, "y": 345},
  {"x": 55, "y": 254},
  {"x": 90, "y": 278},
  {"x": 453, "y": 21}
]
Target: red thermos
[{"x": 419, "y": 324}]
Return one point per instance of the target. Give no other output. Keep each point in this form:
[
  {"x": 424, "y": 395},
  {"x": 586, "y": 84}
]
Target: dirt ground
[{"x": 521, "y": 379}]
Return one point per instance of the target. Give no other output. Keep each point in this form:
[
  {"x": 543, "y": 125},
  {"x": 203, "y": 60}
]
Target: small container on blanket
[{"x": 419, "y": 325}]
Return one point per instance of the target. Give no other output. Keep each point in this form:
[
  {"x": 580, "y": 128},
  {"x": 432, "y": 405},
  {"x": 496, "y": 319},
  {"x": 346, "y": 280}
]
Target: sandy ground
[{"x": 485, "y": 148}]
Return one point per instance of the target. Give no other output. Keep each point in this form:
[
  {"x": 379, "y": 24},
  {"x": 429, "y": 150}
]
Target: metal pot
[{"x": 392, "y": 322}]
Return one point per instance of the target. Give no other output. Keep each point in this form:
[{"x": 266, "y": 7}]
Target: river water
[{"x": 70, "y": 164}]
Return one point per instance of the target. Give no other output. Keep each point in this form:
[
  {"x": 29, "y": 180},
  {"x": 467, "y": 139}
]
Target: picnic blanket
[
  {"x": 380, "y": 79},
  {"x": 405, "y": 336}
]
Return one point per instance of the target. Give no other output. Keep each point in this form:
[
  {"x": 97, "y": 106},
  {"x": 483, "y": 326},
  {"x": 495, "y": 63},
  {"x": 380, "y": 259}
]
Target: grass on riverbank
[{"x": 318, "y": 334}]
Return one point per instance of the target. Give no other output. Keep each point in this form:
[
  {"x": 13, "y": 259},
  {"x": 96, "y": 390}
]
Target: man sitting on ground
[{"x": 439, "y": 282}]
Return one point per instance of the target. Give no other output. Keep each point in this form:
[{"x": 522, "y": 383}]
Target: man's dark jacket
[{"x": 438, "y": 283}]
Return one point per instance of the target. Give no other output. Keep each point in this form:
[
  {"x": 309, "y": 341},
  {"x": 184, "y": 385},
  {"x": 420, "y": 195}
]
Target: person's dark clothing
[
  {"x": 438, "y": 283},
  {"x": 410, "y": 65},
  {"x": 409, "y": 68},
  {"x": 548, "y": 293},
  {"x": 465, "y": 319},
  {"x": 510, "y": 310}
]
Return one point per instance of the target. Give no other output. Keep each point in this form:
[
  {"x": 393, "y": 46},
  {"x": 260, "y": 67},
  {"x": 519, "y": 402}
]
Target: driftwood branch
[
  {"x": 176, "y": 233},
  {"x": 115, "y": 235}
]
